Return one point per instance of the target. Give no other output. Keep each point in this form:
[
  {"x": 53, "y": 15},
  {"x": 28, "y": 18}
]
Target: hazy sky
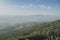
[{"x": 29, "y": 7}]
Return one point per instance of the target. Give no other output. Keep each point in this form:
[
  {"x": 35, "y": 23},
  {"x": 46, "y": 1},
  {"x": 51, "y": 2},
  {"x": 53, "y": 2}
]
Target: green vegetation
[{"x": 42, "y": 31}]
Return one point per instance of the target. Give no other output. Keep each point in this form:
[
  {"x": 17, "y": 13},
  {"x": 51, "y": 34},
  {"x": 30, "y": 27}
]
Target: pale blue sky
[{"x": 29, "y": 7}]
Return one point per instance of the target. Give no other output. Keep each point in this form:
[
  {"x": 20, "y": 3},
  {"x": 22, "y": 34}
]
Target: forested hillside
[{"x": 34, "y": 31}]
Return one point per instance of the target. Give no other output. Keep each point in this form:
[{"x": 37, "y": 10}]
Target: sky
[{"x": 29, "y": 7}]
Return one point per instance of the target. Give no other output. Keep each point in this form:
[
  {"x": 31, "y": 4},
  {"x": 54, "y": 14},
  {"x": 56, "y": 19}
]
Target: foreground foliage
[{"x": 38, "y": 31}]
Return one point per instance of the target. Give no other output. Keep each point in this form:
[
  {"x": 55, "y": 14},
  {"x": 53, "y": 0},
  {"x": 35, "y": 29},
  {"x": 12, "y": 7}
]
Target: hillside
[
  {"x": 33, "y": 31},
  {"x": 46, "y": 31}
]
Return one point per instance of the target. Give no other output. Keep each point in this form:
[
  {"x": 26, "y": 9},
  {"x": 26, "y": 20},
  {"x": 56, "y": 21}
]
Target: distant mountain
[
  {"x": 6, "y": 21},
  {"x": 30, "y": 18}
]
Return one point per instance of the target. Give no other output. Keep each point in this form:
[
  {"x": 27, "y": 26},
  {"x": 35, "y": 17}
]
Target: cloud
[
  {"x": 35, "y": 6},
  {"x": 45, "y": 7},
  {"x": 30, "y": 9},
  {"x": 57, "y": 6},
  {"x": 5, "y": 10}
]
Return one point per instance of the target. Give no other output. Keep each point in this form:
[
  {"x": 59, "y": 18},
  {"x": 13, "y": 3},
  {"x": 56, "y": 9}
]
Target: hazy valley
[{"x": 13, "y": 27}]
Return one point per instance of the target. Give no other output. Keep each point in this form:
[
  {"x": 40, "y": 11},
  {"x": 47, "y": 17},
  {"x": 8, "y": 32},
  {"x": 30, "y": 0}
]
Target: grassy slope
[{"x": 46, "y": 29}]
